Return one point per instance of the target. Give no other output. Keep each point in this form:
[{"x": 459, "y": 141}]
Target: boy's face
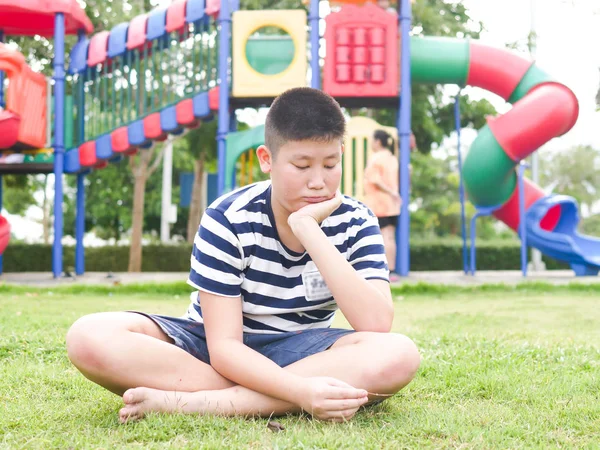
[{"x": 303, "y": 172}]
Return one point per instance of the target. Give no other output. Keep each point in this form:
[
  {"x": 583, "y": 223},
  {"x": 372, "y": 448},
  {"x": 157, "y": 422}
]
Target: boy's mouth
[{"x": 315, "y": 199}]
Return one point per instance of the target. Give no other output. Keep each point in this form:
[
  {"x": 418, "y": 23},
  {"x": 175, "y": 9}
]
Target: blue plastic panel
[
  {"x": 168, "y": 120},
  {"x": 104, "y": 147},
  {"x": 157, "y": 21},
  {"x": 194, "y": 11},
  {"x": 201, "y": 106},
  {"x": 72, "y": 161},
  {"x": 117, "y": 41},
  {"x": 135, "y": 133},
  {"x": 79, "y": 57}
]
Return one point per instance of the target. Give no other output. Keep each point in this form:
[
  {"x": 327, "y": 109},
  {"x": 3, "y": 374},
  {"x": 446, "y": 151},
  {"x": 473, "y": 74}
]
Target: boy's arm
[
  {"x": 367, "y": 304},
  {"x": 323, "y": 398}
]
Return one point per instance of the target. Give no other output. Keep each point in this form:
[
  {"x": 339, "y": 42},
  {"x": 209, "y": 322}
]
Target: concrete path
[{"x": 45, "y": 279}]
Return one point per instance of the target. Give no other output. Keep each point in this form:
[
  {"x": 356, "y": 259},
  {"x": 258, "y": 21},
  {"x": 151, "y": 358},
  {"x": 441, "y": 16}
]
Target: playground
[{"x": 509, "y": 357}]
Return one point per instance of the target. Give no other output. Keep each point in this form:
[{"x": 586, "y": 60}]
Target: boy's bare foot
[{"x": 140, "y": 401}]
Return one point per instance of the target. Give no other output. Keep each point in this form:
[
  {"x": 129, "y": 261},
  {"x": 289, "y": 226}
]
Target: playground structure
[{"x": 170, "y": 69}]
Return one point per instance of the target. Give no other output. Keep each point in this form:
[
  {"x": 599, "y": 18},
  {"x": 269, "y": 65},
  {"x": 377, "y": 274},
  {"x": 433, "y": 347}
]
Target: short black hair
[
  {"x": 385, "y": 138},
  {"x": 303, "y": 114}
]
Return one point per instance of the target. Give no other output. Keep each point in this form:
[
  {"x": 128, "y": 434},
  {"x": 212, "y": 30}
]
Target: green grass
[{"x": 502, "y": 368}]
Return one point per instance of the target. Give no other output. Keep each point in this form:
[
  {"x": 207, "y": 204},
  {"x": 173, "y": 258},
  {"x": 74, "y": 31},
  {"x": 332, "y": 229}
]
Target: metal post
[
  {"x": 80, "y": 198},
  {"x": 403, "y": 232},
  {"x": 461, "y": 186},
  {"x": 225, "y": 32},
  {"x": 522, "y": 227},
  {"x": 59, "y": 143},
  {"x": 313, "y": 19},
  {"x": 536, "y": 255},
  {"x": 80, "y": 226},
  {"x": 167, "y": 182}
]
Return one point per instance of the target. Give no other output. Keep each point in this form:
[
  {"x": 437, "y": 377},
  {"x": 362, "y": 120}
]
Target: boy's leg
[
  {"x": 381, "y": 363},
  {"x": 121, "y": 350}
]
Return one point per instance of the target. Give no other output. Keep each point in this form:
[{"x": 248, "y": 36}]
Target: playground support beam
[
  {"x": 59, "y": 142},
  {"x": 403, "y": 231},
  {"x": 224, "y": 54},
  {"x": 315, "y": 79},
  {"x": 80, "y": 225}
]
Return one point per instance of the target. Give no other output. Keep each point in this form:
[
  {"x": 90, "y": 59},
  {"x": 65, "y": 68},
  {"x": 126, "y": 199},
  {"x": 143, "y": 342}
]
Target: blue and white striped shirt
[{"x": 237, "y": 252}]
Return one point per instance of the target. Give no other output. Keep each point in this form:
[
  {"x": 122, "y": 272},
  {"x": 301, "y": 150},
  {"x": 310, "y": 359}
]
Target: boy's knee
[
  {"x": 400, "y": 361},
  {"x": 84, "y": 340}
]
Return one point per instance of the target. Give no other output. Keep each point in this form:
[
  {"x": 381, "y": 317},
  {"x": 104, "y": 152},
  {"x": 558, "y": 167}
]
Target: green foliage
[{"x": 424, "y": 255}]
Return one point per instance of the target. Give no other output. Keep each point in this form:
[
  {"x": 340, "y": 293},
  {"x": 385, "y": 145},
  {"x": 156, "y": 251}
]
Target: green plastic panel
[
  {"x": 439, "y": 60},
  {"x": 270, "y": 55},
  {"x": 532, "y": 78},
  {"x": 488, "y": 172}
]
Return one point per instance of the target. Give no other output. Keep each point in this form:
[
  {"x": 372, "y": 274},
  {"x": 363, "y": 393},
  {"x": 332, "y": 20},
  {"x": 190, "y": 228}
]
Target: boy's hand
[
  {"x": 331, "y": 399},
  {"x": 316, "y": 211}
]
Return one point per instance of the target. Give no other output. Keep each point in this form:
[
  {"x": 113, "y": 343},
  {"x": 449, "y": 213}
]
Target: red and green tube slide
[{"x": 542, "y": 109}]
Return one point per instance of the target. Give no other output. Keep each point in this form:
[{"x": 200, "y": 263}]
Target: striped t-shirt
[{"x": 237, "y": 252}]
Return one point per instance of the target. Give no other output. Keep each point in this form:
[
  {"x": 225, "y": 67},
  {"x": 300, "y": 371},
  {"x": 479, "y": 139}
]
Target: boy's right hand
[{"x": 331, "y": 399}]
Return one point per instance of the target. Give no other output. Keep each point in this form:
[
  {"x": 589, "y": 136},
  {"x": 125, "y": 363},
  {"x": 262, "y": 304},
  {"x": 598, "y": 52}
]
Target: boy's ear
[
  {"x": 343, "y": 147},
  {"x": 265, "y": 158}
]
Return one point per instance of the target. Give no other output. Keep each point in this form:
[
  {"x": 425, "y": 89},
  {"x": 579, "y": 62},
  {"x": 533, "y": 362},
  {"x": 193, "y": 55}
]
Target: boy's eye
[
  {"x": 301, "y": 167},
  {"x": 330, "y": 167}
]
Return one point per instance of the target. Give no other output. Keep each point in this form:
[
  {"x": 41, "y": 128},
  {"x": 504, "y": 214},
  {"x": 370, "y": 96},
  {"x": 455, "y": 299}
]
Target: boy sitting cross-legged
[{"x": 271, "y": 263}]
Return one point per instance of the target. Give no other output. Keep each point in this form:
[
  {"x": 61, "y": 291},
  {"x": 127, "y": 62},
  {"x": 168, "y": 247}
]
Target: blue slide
[{"x": 551, "y": 224}]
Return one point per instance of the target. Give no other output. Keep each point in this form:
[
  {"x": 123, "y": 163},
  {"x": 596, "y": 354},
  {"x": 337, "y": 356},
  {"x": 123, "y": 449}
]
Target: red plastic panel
[
  {"x": 547, "y": 111},
  {"x": 551, "y": 219},
  {"x": 4, "y": 234},
  {"x": 364, "y": 42},
  {"x": 119, "y": 139},
  {"x": 213, "y": 99},
  {"x": 9, "y": 129},
  {"x": 185, "y": 113},
  {"x": 152, "y": 129},
  {"x": 87, "y": 154},
  {"x": 509, "y": 213},
  {"x": 495, "y": 69},
  {"x": 98, "y": 47},
  {"x": 136, "y": 36},
  {"x": 176, "y": 15}
]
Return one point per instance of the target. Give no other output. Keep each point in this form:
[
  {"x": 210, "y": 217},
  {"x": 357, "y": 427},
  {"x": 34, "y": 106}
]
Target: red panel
[
  {"x": 547, "y": 111},
  {"x": 550, "y": 220},
  {"x": 509, "y": 213},
  {"x": 119, "y": 139},
  {"x": 152, "y": 129},
  {"x": 136, "y": 35},
  {"x": 213, "y": 99},
  {"x": 31, "y": 17},
  {"x": 185, "y": 113},
  {"x": 4, "y": 234},
  {"x": 9, "y": 129},
  {"x": 213, "y": 7},
  {"x": 364, "y": 42},
  {"x": 87, "y": 154},
  {"x": 495, "y": 69},
  {"x": 176, "y": 16},
  {"x": 97, "y": 48}
]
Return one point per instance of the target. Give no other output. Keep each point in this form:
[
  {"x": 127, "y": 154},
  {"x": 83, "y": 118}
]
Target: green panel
[
  {"x": 488, "y": 172},
  {"x": 532, "y": 78},
  {"x": 439, "y": 60},
  {"x": 270, "y": 55},
  {"x": 69, "y": 122},
  {"x": 238, "y": 143}
]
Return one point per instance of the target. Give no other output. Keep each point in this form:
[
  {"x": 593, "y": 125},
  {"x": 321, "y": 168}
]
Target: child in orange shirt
[{"x": 381, "y": 192}]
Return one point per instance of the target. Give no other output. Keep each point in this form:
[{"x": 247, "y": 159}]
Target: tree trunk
[
  {"x": 137, "y": 224},
  {"x": 196, "y": 206},
  {"x": 141, "y": 172}
]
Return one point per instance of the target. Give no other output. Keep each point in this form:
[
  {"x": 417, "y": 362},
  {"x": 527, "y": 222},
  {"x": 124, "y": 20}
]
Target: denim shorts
[{"x": 281, "y": 348}]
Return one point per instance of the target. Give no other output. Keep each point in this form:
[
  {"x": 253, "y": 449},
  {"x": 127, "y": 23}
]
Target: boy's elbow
[{"x": 378, "y": 323}]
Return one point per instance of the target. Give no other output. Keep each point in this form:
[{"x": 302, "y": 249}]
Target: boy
[{"x": 271, "y": 263}]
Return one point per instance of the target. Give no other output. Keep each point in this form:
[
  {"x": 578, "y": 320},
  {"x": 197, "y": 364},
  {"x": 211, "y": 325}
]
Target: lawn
[{"x": 502, "y": 368}]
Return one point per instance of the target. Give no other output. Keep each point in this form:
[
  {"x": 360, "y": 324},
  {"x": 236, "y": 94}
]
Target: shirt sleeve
[
  {"x": 366, "y": 252},
  {"x": 217, "y": 257}
]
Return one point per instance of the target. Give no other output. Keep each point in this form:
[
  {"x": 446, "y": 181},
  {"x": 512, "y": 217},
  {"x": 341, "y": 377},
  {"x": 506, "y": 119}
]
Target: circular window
[{"x": 270, "y": 50}]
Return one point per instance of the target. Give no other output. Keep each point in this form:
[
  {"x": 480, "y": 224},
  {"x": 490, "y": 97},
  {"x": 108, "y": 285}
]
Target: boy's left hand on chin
[{"x": 316, "y": 211}]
